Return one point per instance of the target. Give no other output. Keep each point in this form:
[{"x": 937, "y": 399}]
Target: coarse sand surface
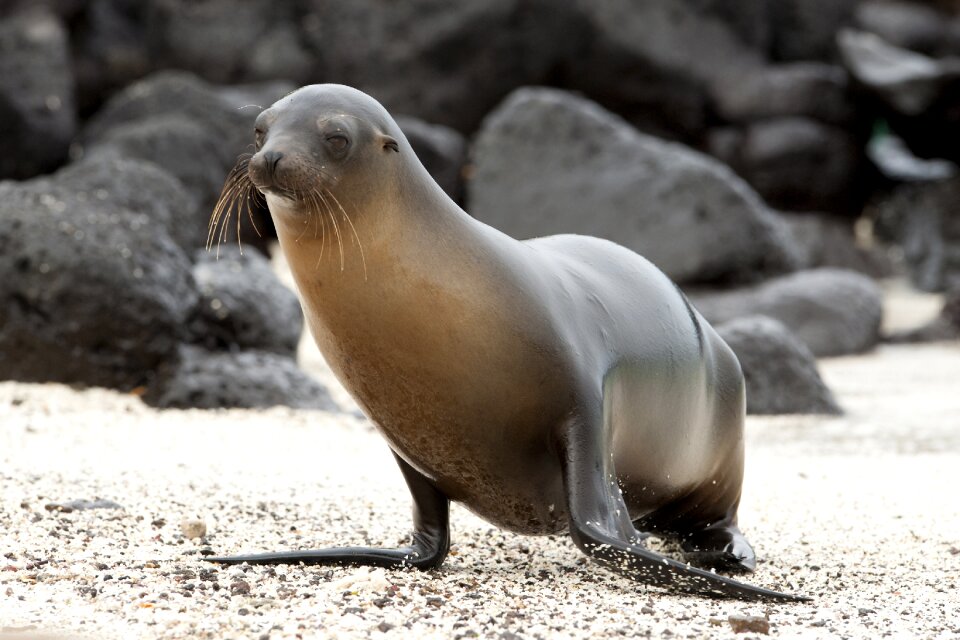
[{"x": 861, "y": 512}]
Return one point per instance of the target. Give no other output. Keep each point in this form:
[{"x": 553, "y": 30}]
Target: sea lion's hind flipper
[
  {"x": 723, "y": 548},
  {"x": 710, "y": 539},
  {"x": 598, "y": 527},
  {"x": 431, "y": 536}
]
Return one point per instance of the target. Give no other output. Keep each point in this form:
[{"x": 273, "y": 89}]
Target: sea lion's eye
[
  {"x": 258, "y": 137},
  {"x": 338, "y": 142}
]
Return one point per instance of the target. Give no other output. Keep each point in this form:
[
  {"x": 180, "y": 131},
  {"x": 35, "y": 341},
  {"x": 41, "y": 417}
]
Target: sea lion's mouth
[{"x": 280, "y": 192}]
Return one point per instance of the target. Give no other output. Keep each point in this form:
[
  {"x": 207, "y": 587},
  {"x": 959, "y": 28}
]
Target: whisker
[
  {"x": 239, "y": 244},
  {"x": 228, "y": 189},
  {"x": 304, "y": 231},
  {"x": 215, "y": 217},
  {"x": 234, "y": 199},
  {"x": 251, "y": 190},
  {"x": 236, "y": 187},
  {"x": 363, "y": 258},
  {"x": 336, "y": 227},
  {"x": 320, "y": 219},
  {"x": 323, "y": 235}
]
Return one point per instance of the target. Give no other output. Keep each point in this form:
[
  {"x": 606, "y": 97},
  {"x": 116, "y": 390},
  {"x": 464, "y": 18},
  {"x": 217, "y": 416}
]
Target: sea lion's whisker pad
[{"x": 478, "y": 359}]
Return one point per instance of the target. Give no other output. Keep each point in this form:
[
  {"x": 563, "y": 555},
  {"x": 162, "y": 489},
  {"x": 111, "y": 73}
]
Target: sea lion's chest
[{"x": 463, "y": 397}]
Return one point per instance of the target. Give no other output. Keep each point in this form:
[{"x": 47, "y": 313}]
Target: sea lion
[{"x": 557, "y": 384}]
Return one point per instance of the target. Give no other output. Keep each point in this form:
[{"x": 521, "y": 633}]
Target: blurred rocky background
[{"x": 777, "y": 158}]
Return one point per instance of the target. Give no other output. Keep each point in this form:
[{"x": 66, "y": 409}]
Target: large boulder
[
  {"x": 150, "y": 191},
  {"x": 795, "y": 163},
  {"x": 109, "y": 48},
  {"x": 180, "y": 145},
  {"x": 834, "y": 312},
  {"x": 808, "y": 89},
  {"x": 93, "y": 288},
  {"x": 243, "y": 305},
  {"x": 829, "y": 241},
  {"x": 923, "y": 218},
  {"x": 779, "y": 369},
  {"x": 203, "y": 379},
  {"x": 225, "y": 41},
  {"x": 65, "y": 9},
  {"x": 750, "y": 20},
  {"x": 918, "y": 95},
  {"x": 807, "y": 29},
  {"x": 893, "y": 159},
  {"x": 37, "y": 110},
  {"x": 447, "y": 62},
  {"x": 654, "y": 62},
  {"x": 908, "y": 82},
  {"x": 168, "y": 93},
  {"x": 911, "y": 25},
  {"x": 548, "y": 162}
]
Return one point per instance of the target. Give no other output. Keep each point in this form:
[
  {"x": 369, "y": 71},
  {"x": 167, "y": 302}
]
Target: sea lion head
[
  {"x": 318, "y": 148},
  {"x": 314, "y": 138}
]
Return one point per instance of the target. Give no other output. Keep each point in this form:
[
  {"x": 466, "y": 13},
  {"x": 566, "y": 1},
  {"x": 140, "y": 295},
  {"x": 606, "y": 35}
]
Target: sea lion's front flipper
[
  {"x": 601, "y": 528},
  {"x": 431, "y": 536}
]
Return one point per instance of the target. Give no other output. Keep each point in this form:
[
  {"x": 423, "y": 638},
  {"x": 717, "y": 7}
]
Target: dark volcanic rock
[
  {"x": 924, "y": 220},
  {"x": 911, "y": 25},
  {"x": 65, "y": 9},
  {"x": 92, "y": 287},
  {"x": 169, "y": 93},
  {"x": 809, "y": 89},
  {"x": 208, "y": 380},
  {"x": 141, "y": 187},
  {"x": 442, "y": 150},
  {"x": 917, "y": 95},
  {"x": 893, "y": 158},
  {"x": 750, "y": 20},
  {"x": 807, "y": 29},
  {"x": 37, "y": 110},
  {"x": 909, "y": 82},
  {"x": 826, "y": 241},
  {"x": 795, "y": 163},
  {"x": 109, "y": 43},
  {"x": 780, "y": 371},
  {"x": 243, "y": 304},
  {"x": 181, "y": 146},
  {"x": 834, "y": 312},
  {"x": 447, "y": 62},
  {"x": 225, "y": 41},
  {"x": 549, "y": 162},
  {"x": 654, "y": 62}
]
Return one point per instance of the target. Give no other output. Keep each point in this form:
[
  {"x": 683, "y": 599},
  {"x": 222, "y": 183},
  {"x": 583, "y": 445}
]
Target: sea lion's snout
[
  {"x": 270, "y": 161},
  {"x": 264, "y": 169}
]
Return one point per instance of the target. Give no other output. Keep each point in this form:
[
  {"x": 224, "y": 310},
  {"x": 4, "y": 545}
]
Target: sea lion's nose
[{"x": 270, "y": 161}]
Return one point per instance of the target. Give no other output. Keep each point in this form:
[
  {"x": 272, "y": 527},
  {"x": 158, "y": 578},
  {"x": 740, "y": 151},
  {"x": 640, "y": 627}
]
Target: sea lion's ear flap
[{"x": 390, "y": 143}]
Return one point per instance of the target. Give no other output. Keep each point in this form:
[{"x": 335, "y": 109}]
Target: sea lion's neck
[{"x": 413, "y": 239}]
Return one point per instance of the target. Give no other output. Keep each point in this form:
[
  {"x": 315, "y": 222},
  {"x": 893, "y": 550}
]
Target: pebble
[
  {"x": 745, "y": 624},
  {"x": 81, "y": 505},
  {"x": 192, "y": 528}
]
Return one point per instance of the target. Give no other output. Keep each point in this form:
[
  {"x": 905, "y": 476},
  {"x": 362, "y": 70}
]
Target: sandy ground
[{"x": 861, "y": 512}]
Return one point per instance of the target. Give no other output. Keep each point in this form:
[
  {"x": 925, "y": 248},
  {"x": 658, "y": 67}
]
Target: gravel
[{"x": 858, "y": 511}]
